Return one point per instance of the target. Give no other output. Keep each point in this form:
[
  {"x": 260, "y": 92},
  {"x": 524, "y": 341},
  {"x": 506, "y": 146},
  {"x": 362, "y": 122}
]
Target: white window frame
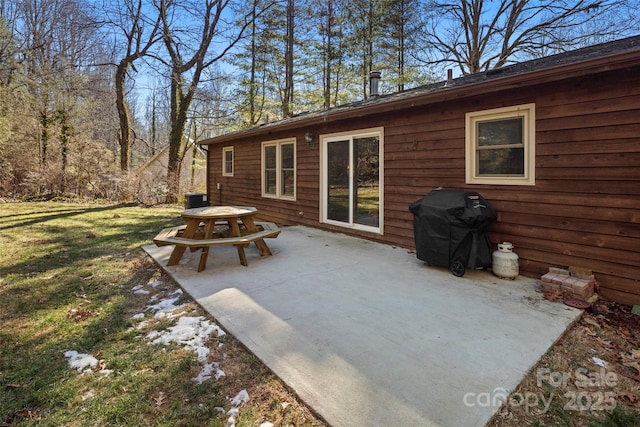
[
  {"x": 226, "y": 150},
  {"x": 359, "y": 133},
  {"x": 278, "y": 144},
  {"x": 527, "y": 112}
]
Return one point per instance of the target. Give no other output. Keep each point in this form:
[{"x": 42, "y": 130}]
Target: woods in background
[{"x": 91, "y": 90}]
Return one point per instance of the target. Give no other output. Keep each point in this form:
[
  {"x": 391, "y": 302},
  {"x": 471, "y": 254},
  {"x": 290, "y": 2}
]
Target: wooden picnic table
[{"x": 217, "y": 225}]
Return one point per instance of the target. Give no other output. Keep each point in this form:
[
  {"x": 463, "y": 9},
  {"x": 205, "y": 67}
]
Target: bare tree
[
  {"x": 153, "y": 122},
  {"x": 47, "y": 51},
  {"x": 189, "y": 55},
  {"x": 477, "y": 35},
  {"x": 38, "y": 54},
  {"x": 136, "y": 33},
  {"x": 56, "y": 39},
  {"x": 8, "y": 46}
]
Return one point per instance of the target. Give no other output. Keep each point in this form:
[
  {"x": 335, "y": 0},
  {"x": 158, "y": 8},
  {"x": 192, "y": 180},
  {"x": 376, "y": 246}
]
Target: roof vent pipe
[{"x": 374, "y": 80}]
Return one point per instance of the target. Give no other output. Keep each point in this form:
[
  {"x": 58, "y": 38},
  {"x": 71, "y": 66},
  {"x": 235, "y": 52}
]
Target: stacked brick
[{"x": 572, "y": 283}]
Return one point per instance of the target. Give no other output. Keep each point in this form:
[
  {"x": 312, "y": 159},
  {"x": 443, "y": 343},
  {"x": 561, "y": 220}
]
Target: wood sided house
[{"x": 553, "y": 144}]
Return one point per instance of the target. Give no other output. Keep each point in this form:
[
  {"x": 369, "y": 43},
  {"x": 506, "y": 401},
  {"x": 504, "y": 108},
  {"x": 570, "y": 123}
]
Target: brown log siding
[{"x": 584, "y": 209}]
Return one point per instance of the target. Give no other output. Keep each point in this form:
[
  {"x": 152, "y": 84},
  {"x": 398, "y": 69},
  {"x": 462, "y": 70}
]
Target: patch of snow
[
  {"x": 154, "y": 283},
  {"x": 599, "y": 361},
  {"x": 88, "y": 395},
  {"x": 192, "y": 332},
  {"x": 166, "y": 304},
  {"x": 81, "y": 361},
  {"x": 142, "y": 324},
  {"x": 267, "y": 424},
  {"x": 164, "y": 307},
  {"x": 231, "y": 422},
  {"x": 241, "y": 397},
  {"x": 207, "y": 371},
  {"x": 106, "y": 372},
  {"x": 140, "y": 290}
]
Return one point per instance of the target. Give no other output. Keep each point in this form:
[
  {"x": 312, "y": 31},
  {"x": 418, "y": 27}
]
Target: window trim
[
  {"x": 527, "y": 112},
  {"x": 278, "y": 144},
  {"x": 353, "y": 134},
  {"x": 226, "y": 150}
]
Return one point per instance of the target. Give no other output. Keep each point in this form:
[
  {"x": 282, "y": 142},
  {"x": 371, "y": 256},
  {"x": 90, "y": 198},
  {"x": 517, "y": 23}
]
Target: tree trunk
[
  {"x": 329, "y": 56},
  {"x": 252, "y": 80},
  {"x": 178, "y": 124},
  {"x": 154, "y": 136},
  {"x": 124, "y": 138},
  {"x": 288, "y": 60},
  {"x": 401, "y": 45},
  {"x": 173, "y": 165},
  {"x": 66, "y": 132},
  {"x": 44, "y": 137},
  {"x": 194, "y": 154}
]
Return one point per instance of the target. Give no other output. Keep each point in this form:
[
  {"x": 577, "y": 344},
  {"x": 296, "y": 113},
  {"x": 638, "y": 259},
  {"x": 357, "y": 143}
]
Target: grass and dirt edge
[{"x": 589, "y": 377}]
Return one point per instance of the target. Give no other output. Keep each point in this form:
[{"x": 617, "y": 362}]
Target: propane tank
[{"x": 505, "y": 261}]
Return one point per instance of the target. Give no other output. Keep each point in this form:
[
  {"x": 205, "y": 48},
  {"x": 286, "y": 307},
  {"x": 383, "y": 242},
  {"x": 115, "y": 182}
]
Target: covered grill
[{"x": 450, "y": 229}]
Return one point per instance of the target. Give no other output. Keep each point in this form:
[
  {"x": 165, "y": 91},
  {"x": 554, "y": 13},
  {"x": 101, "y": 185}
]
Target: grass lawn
[{"x": 74, "y": 279}]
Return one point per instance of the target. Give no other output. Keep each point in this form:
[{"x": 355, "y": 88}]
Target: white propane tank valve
[{"x": 505, "y": 262}]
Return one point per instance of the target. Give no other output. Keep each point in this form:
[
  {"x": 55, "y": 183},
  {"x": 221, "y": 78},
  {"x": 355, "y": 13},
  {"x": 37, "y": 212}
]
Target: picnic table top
[{"x": 219, "y": 212}]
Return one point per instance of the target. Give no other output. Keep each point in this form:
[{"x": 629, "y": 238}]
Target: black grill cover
[{"x": 450, "y": 225}]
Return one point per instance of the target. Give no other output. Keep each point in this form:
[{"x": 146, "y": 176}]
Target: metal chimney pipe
[{"x": 374, "y": 80}]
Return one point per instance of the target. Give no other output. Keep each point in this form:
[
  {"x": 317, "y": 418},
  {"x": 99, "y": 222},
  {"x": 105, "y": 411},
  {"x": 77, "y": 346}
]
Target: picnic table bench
[{"x": 215, "y": 226}]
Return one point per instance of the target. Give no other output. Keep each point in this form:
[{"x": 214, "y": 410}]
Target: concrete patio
[{"x": 368, "y": 335}]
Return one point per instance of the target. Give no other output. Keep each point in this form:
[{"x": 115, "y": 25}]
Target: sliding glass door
[
  {"x": 338, "y": 181},
  {"x": 352, "y": 193}
]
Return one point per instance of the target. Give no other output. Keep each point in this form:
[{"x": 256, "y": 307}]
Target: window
[
  {"x": 352, "y": 179},
  {"x": 500, "y": 146},
  {"x": 227, "y": 161},
  {"x": 279, "y": 169}
]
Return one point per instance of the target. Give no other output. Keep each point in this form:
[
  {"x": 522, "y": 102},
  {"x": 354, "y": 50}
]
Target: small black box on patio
[
  {"x": 195, "y": 200},
  {"x": 450, "y": 229}
]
